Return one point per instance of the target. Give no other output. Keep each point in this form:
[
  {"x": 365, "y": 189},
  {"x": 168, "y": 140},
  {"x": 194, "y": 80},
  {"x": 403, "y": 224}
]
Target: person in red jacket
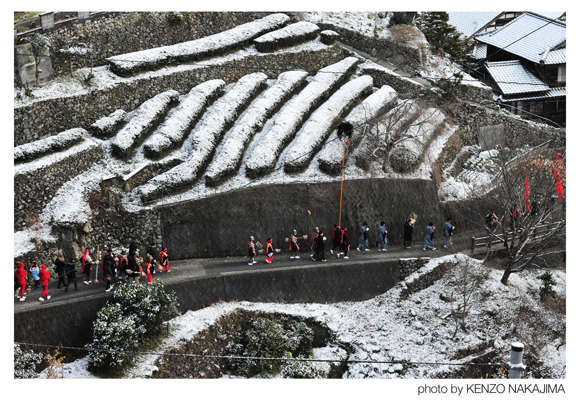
[
  {"x": 164, "y": 260},
  {"x": 21, "y": 278},
  {"x": 44, "y": 276},
  {"x": 269, "y": 251}
]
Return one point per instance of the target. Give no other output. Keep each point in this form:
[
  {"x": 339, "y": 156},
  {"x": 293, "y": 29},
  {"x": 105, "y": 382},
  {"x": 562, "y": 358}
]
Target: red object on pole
[
  {"x": 558, "y": 183},
  {"x": 527, "y": 194}
]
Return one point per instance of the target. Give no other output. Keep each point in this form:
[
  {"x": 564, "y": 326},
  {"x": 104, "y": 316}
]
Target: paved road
[{"x": 187, "y": 269}]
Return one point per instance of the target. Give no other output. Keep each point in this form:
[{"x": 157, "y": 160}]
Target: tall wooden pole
[{"x": 341, "y": 182}]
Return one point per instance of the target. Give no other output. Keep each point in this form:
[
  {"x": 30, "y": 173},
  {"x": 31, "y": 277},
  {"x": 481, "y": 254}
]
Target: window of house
[
  {"x": 562, "y": 73},
  {"x": 536, "y": 107},
  {"x": 520, "y": 108}
]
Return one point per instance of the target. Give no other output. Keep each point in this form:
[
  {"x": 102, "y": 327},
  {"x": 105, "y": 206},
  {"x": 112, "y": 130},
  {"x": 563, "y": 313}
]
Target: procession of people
[{"x": 119, "y": 264}]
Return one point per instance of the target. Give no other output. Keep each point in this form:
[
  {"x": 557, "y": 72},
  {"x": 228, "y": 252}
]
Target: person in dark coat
[
  {"x": 123, "y": 265},
  {"x": 335, "y": 239},
  {"x": 320, "y": 253},
  {"x": 59, "y": 268},
  {"x": 408, "y": 233},
  {"x": 269, "y": 251},
  {"x": 314, "y": 241},
  {"x": 133, "y": 247},
  {"x": 71, "y": 273},
  {"x": 133, "y": 268},
  {"x": 430, "y": 235},
  {"x": 344, "y": 246},
  {"x": 108, "y": 275}
]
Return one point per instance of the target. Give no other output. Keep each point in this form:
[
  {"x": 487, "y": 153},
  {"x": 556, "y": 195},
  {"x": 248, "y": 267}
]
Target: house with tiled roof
[{"x": 525, "y": 63}]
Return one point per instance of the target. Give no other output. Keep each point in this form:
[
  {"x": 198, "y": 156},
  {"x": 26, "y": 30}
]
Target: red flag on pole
[
  {"x": 558, "y": 183},
  {"x": 527, "y": 195}
]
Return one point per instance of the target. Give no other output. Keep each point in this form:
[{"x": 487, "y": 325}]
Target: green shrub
[
  {"x": 25, "y": 363},
  {"x": 300, "y": 369},
  {"x": 268, "y": 338},
  {"x": 547, "y": 283},
  {"x": 114, "y": 335}
]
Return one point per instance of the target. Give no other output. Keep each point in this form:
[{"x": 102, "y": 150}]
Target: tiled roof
[
  {"x": 552, "y": 93},
  {"x": 469, "y": 22},
  {"x": 513, "y": 78},
  {"x": 533, "y": 33},
  {"x": 556, "y": 57}
]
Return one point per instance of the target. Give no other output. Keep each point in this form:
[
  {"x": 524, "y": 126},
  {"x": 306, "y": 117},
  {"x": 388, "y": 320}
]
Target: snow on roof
[
  {"x": 527, "y": 36},
  {"x": 480, "y": 50},
  {"x": 552, "y": 93},
  {"x": 330, "y": 157},
  {"x": 555, "y": 57},
  {"x": 49, "y": 144},
  {"x": 206, "y": 134},
  {"x": 234, "y": 144},
  {"x": 315, "y": 130},
  {"x": 144, "y": 117},
  {"x": 174, "y": 128},
  {"x": 513, "y": 77},
  {"x": 292, "y": 114},
  {"x": 469, "y": 22},
  {"x": 56, "y": 157},
  {"x": 193, "y": 50}
]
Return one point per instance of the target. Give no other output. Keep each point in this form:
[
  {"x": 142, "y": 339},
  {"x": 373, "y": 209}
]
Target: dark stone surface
[{"x": 223, "y": 227}]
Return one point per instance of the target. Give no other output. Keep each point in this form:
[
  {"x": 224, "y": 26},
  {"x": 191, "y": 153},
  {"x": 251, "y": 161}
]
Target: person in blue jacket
[
  {"x": 430, "y": 230},
  {"x": 448, "y": 231},
  {"x": 382, "y": 236},
  {"x": 363, "y": 241}
]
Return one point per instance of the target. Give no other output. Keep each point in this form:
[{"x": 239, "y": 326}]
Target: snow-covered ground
[{"x": 416, "y": 329}]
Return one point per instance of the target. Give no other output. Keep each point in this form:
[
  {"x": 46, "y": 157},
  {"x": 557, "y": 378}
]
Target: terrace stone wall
[{"x": 49, "y": 117}]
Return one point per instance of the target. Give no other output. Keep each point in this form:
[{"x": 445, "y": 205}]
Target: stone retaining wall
[
  {"x": 70, "y": 322},
  {"x": 45, "y": 118},
  {"x": 34, "y": 189},
  {"x": 409, "y": 265},
  {"x": 407, "y": 58}
]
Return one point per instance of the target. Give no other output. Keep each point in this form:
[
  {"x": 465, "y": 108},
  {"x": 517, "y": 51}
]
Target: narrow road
[{"x": 192, "y": 268}]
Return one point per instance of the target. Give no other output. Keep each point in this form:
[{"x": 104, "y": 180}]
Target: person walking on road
[
  {"x": 429, "y": 243},
  {"x": 344, "y": 246},
  {"x": 382, "y": 236},
  {"x": 108, "y": 275},
  {"x": 251, "y": 251},
  {"x": 294, "y": 245},
  {"x": 269, "y": 251},
  {"x": 34, "y": 271},
  {"x": 21, "y": 279},
  {"x": 87, "y": 264},
  {"x": 408, "y": 233},
  {"x": 363, "y": 241},
  {"x": 71, "y": 274},
  {"x": 59, "y": 268},
  {"x": 163, "y": 256},
  {"x": 320, "y": 253},
  {"x": 335, "y": 239},
  {"x": 448, "y": 231},
  {"x": 44, "y": 277}
]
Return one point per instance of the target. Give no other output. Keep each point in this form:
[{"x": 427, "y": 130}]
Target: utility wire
[{"x": 233, "y": 357}]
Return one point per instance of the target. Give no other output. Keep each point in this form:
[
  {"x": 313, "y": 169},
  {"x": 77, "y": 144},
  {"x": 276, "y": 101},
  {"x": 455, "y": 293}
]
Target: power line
[{"x": 297, "y": 359}]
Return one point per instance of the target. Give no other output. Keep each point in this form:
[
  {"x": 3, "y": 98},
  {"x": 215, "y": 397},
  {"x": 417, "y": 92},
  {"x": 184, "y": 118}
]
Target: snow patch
[{"x": 50, "y": 144}]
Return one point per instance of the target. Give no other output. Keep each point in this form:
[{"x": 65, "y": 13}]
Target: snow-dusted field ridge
[
  {"x": 130, "y": 63},
  {"x": 293, "y": 113},
  {"x": 55, "y": 143},
  {"x": 106, "y": 125},
  {"x": 316, "y": 129},
  {"x": 174, "y": 128},
  {"x": 230, "y": 156},
  {"x": 291, "y": 34}
]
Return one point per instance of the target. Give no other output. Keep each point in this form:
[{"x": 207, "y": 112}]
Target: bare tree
[
  {"x": 465, "y": 287},
  {"x": 39, "y": 46},
  {"x": 528, "y": 195}
]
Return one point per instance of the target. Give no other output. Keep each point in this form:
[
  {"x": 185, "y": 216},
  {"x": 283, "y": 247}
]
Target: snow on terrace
[
  {"x": 145, "y": 116},
  {"x": 315, "y": 130},
  {"x": 293, "y": 113},
  {"x": 174, "y": 128},
  {"x": 299, "y": 31},
  {"x": 203, "y": 140},
  {"x": 415, "y": 330},
  {"x": 193, "y": 50},
  {"x": 330, "y": 157},
  {"x": 50, "y": 144},
  {"x": 230, "y": 155}
]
